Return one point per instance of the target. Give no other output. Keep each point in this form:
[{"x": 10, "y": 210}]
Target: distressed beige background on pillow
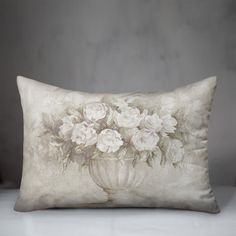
[{"x": 115, "y": 150}]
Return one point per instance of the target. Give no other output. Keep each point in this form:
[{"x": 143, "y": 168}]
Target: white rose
[
  {"x": 145, "y": 140},
  {"x": 65, "y": 130},
  {"x": 95, "y": 111},
  {"x": 168, "y": 124},
  {"x": 109, "y": 141},
  {"x": 152, "y": 122},
  {"x": 174, "y": 150},
  {"x": 128, "y": 117},
  {"x": 84, "y": 133}
]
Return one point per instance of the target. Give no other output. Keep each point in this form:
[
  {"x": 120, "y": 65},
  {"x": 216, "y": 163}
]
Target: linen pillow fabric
[{"x": 115, "y": 150}]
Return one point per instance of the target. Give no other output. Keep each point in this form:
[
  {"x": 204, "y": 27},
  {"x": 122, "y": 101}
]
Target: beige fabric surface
[{"x": 115, "y": 150}]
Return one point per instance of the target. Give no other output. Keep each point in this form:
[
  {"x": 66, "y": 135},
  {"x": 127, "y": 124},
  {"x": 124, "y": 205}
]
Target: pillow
[{"x": 115, "y": 150}]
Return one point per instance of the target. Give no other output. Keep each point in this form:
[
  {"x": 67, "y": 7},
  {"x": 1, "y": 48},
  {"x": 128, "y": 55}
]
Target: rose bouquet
[{"x": 111, "y": 129}]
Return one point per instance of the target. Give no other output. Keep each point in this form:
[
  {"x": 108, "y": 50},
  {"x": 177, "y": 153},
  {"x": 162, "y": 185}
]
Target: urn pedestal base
[{"x": 117, "y": 178}]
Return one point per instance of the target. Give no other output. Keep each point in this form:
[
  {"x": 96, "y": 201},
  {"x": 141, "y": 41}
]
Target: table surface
[{"x": 115, "y": 222}]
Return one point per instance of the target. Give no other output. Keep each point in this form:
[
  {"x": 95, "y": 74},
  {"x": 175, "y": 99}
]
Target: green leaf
[
  {"x": 65, "y": 163},
  {"x": 157, "y": 154},
  {"x": 162, "y": 161},
  {"x": 110, "y": 118},
  {"x": 122, "y": 152},
  {"x": 73, "y": 111},
  {"x": 150, "y": 161},
  {"x": 96, "y": 154},
  {"x": 134, "y": 162},
  {"x": 48, "y": 121}
]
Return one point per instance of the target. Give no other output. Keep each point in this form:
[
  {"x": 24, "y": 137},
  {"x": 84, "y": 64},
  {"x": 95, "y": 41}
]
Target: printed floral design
[
  {"x": 128, "y": 117},
  {"x": 153, "y": 122},
  {"x": 117, "y": 128},
  {"x": 173, "y": 149},
  {"x": 109, "y": 141},
  {"x": 65, "y": 130},
  {"x": 119, "y": 136},
  {"x": 168, "y": 125},
  {"x": 95, "y": 111},
  {"x": 145, "y": 140},
  {"x": 84, "y": 134}
]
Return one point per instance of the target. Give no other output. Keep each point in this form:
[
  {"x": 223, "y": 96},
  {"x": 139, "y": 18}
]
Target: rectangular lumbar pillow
[{"x": 115, "y": 150}]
